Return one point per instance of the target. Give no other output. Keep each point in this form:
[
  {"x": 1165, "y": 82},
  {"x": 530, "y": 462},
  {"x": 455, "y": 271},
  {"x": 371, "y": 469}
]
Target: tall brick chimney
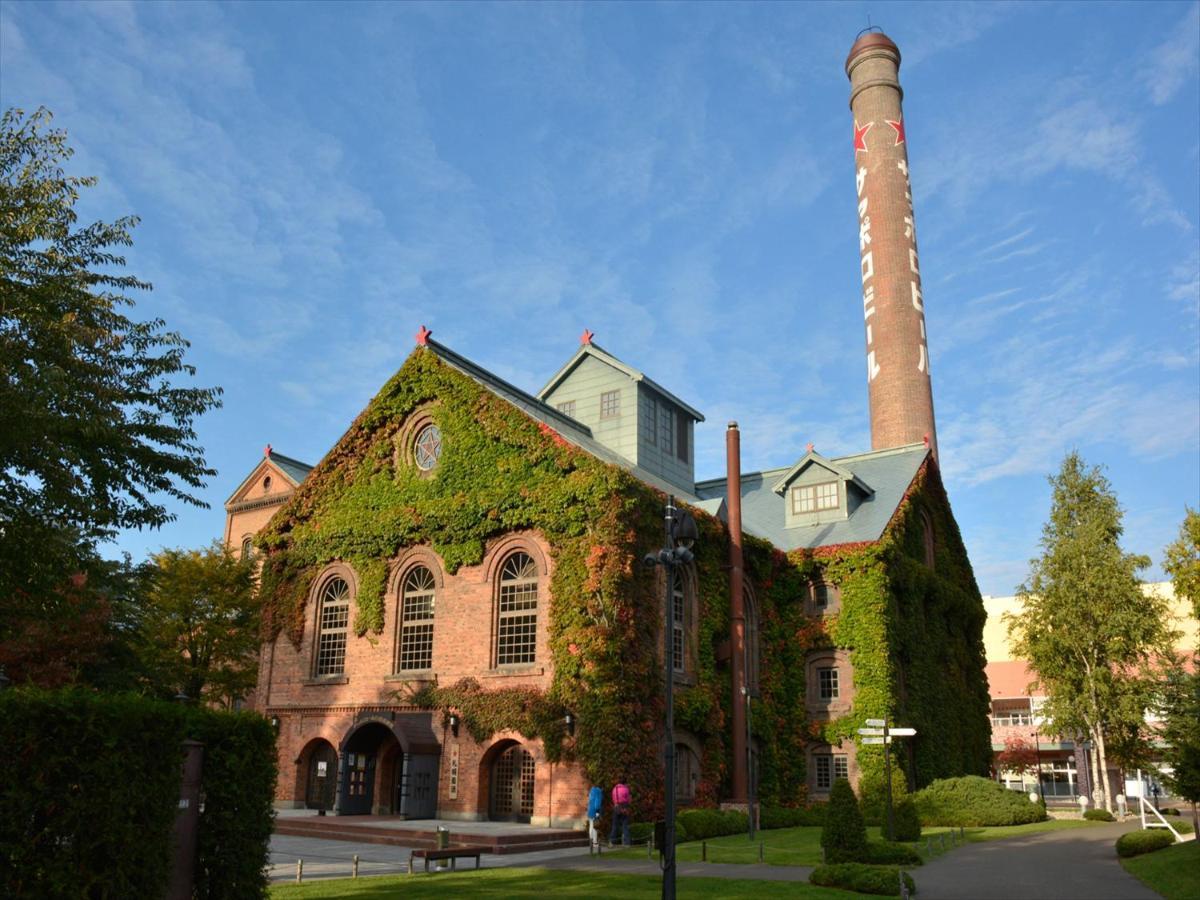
[{"x": 901, "y": 395}]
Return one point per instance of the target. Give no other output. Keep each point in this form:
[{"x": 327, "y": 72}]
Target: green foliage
[
  {"x": 844, "y": 836},
  {"x": 199, "y": 628},
  {"x": 907, "y": 821},
  {"x": 1135, "y": 843},
  {"x": 872, "y": 795},
  {"x": 1182, "y": 560},
  {"x": 891, "y": 853},
  {"x": 1179, "y": 706},
  {"x": 863, "y": 878},
  {"x": 702, "y": 824},
  {"x": 780, "y": 817},
  {"x": 1098, "y": 815},
  {"x": 974, "y": 801},
  {"x": 93, "y": 432},
  {"x": 89, "y": 795}
]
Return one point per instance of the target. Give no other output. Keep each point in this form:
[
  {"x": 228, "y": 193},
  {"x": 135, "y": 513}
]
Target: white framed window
[
  {"x": 567, "y": 408},
  {"x": 333, "y": 620},
  {"x": 417, "y": 601},
  {"x": 427, "y": 448},
  {"x": 808, "y": 498},
  {"x": 828, "y": 768},
  {"x": 247, "y": 548},
  {"x": 610, "y": 404},
  {"x": 517, "y": 611},
  {"x": 678, "y": 624},
  {"x": 827, "y": 683}
]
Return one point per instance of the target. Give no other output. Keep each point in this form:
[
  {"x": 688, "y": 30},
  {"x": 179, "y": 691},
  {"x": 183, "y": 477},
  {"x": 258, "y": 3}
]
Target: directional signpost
[{"x": 879, "y": 732}]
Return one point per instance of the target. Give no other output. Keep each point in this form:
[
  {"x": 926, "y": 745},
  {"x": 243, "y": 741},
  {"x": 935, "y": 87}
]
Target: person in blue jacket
[{"x": 595, "y": 802}]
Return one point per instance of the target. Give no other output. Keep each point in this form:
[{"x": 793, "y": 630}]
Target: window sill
[
  {"x": 514, "y": 671},
  {"x": 326, "y": 679}
]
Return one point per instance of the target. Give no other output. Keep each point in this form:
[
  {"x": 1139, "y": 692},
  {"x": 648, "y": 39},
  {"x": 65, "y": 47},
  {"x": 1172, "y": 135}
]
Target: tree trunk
[
  {"x": 1093, "y": 761},
  {"x": 1105, "y": 791}
]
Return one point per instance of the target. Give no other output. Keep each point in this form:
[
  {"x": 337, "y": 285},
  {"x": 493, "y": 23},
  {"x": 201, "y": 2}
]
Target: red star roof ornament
[
  {"x": 267, "y": 451},
  {"x": 860, "y": 136},
  {"x": 899, "y": 126},
  {"x": 809, "y": 447},
  {"x": 423, "y": 336},
  {"x": 586, "y": 337}
]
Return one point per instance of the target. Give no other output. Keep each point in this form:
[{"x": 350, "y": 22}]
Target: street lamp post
[
  {"x": 679, "y": 534},
  {"x": 1037, "y": 750}
]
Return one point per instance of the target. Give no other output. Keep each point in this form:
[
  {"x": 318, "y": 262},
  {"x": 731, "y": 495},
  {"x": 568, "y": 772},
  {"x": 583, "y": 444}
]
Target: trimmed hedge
[
  {"x": 1098, "y": 815},
  {"x": 891, "y": 853},
  {"x": 1135, "y": 843},
  {"x": 783, "y": 817},
  {"x": 702, "y": 824},
  {"x": 90, "y": 791},
  {"x": 907, "y": 821},
  {"x": 864, "y": 879},
  {"x": 973, "y": 801}
]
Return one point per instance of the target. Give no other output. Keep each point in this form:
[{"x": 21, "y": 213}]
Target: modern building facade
[{"x": 458, "y": 624}]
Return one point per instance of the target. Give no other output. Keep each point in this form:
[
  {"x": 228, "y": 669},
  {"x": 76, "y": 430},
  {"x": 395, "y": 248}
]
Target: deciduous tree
[
  {"x": 1180, "y": 710},
  {"x": 96, "y": 428},
  {"x": 1089, "y": 632},
  {"x": 1182, "y": 561}
]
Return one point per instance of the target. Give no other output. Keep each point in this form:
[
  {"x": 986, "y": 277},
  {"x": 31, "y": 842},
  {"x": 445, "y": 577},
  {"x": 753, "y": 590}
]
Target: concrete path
[{"x": 1076, "y": 864}]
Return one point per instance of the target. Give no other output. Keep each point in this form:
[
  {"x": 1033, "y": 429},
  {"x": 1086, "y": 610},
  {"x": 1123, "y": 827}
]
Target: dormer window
[
  {"x": 567, "y": 408},
  {"x": 807, "y": 498},
  {"x": 610, "y": 404}
]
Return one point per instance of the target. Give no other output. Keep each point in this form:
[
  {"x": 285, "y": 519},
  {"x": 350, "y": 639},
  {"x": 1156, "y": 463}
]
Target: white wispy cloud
[{"x": 1172, "y": 63}]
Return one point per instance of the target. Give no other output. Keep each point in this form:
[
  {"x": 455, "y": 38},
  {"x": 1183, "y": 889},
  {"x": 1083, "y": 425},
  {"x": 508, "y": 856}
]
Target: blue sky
[{"x": 317, "y": 181}]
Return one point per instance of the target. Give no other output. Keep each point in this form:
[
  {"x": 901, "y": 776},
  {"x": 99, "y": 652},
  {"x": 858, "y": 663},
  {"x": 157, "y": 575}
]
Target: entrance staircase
[{"x": 492, "y": 837}]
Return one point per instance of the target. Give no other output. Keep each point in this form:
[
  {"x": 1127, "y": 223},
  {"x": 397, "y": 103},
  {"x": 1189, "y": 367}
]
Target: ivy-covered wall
[{"x": 501, "y": 471}]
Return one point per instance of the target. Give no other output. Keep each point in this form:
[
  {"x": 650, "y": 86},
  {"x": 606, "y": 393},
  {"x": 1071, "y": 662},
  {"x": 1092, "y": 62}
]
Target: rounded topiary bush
[
  {"x": 1136, "y": 843},
  {"x": 907, "y": 821},
  {"x": 974, "y": 801},
  {"x": 862, "y": 878},
  {"x": 844, "y": 836},
  {"x": 1098, "y": 815},
  {"x": 890, "y": 853}
]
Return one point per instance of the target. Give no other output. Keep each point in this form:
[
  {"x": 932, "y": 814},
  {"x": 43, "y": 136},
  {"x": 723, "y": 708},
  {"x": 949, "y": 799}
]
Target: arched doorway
[
  {"x": 320, "y": 775},
  {"x": 512, "y": 779},
  {"x": 360, "y": 760}
]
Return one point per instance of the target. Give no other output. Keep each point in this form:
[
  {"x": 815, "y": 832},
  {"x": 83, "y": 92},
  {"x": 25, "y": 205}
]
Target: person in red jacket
[{"x": 621, "y": 798}]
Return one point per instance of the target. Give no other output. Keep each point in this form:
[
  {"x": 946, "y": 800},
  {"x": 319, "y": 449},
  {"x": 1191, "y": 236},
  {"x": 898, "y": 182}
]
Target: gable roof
[
  {"x": 292, "y": 470},
  {"x": 888, "y": 472},
  {"x": 572, "y": 431},
  {"x": 597, "y": 352},
  {"x": 813, "y": 458}
]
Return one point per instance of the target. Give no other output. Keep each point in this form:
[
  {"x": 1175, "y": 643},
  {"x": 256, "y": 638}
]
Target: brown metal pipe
[{"x": 737, "y": 609}]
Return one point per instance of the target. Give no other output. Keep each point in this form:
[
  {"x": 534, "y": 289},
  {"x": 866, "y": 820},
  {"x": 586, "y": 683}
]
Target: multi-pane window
[
  {"x": 650, "y": 422},
  {"x": 821, "y": 595},
  {"x": 829, "y": 768},
  {"x": 416, "y": 620},
  {"x": 681, "y": 437},
  {"x": 567, "y": 408},
  {"x": 247, "y": 548},
  {"x": 516, "y": 627},
  {"x": 678, "y": 622},
  {"x": 333, "y": 617},
  {"x": 610, "y": 404},
  {"x": 808, "y": 498},
  {"x": 827, "y": 683},
  {"x": 666, "y": 429}
]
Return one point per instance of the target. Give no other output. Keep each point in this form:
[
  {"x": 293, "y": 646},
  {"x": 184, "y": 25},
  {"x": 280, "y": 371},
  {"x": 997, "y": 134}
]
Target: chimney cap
[
  {"x": 732, "y": 424},
  {"x": 870, "y": 41}
]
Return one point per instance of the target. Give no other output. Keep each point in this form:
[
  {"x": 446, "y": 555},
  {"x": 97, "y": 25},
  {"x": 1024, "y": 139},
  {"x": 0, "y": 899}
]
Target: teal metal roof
[
  {"x": 574, "y": 432},
  {"x": 888, "y": 472},
  {"x": 293, "y": 468}
]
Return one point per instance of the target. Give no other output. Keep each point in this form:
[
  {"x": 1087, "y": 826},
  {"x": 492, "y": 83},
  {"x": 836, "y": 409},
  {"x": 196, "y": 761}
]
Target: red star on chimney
[
  {"x": 860, "y": 136},
  {"x": 899, "y": 126},
  {"x": 267, "y": 451},
  {"x": 423, "y": 336},
  {"x": 586, "y": 337}
]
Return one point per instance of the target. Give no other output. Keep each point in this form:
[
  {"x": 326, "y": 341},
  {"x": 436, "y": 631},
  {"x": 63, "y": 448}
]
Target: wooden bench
[{"x": 451, "y": 853}]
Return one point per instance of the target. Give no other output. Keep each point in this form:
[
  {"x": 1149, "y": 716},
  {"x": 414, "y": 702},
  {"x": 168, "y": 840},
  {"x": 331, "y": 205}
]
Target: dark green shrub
[
  {"x": 782, "y": 817},
  {"x": 1098, "y": 815},
  {"x": 90, "y": 790},
  {"x": 702, "y": 824},
  {"x": 1135, "y": 843},
  {"x": 974, "y": 801},
  {"x": 843, "y": 837},
  {"x": 890, "y": 853},
  {"x": 640, "y": 832},
  {"x": 872, "y": 795},
  {"x": 907, "y": 821},
  {"x": 862, "y": 878}
]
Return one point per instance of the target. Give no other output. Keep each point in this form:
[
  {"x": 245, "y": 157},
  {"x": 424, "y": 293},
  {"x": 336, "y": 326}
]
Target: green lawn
[
  {"x": 802, "y": 846},
  {"x": 542, "y": 883},
  {"x": 1174, "y": 872}
]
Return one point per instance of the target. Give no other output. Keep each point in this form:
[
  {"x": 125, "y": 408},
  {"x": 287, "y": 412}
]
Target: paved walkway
[{"x": 1076, "y": 864}]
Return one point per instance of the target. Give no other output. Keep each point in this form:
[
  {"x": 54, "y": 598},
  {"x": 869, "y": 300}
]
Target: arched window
[
  {"x": 516, "y": 611},
  {"x": 417, "y": 598},
  {"x": 333, "y": 619},
  {"x": 823, "y": 599},
  {"x": 927, "y": 538},
  {"x": 247, "y": 548},
  {"x": 678, "y": 624},
  {"x": 752, "y": 637}
]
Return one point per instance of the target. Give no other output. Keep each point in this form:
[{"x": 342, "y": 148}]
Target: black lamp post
[{"x": 680, "y": 533}]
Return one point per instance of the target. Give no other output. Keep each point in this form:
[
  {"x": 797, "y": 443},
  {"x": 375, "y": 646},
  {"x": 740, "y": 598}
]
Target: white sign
[
  {"x": 878, "y": 731},
  {"x": 877, "y": 723},
  {"x": 321, "y": 764},
  {"x": 902, "y": 732},
  {"x": 877, "y": 740}
]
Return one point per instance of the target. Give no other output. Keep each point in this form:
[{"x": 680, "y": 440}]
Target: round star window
[{"x": 428, "y": 447}]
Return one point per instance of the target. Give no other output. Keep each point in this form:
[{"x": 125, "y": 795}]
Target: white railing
[{"x": 1162, "y": 821}]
